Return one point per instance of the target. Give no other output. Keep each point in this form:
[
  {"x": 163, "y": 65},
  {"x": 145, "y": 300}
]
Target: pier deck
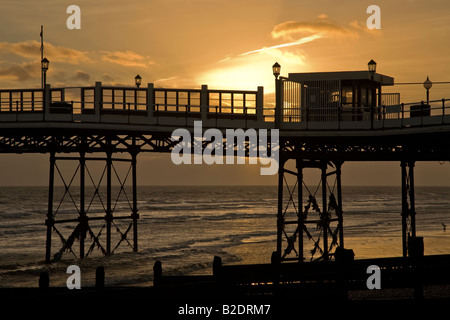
[{"x": 109, "y": 120}]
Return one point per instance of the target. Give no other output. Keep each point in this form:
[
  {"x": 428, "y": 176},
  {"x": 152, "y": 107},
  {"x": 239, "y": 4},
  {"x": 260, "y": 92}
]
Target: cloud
[
  {"x": 300, "y": 32},
  {"x": 81, "y": 76},
  {"x": 32, "y": 50},
  {"x": 298, "y": 29},
  {"x": 19, "y": 72},
  {"x": 284, "y": 45},
  {"x": 127, "y": 58},
  {"x": 107, "y": 77},
  {"x": 64, "y": 78}
]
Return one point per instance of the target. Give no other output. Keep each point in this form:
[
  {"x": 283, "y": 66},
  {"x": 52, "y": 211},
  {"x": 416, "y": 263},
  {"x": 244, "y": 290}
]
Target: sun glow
[{"x": 252, "y": 69}]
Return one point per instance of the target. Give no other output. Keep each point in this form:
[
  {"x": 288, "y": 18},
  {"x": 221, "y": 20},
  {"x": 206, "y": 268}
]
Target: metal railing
[
  {"x": 220, "y": 108},
  {"x": 402, "y": 115}
]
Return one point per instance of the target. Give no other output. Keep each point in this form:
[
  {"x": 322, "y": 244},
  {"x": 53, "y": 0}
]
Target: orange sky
[{"x": 187, "y": 43}]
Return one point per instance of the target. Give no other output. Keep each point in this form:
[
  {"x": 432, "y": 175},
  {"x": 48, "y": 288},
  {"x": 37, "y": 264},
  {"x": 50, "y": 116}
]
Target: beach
[{"x": 185, "y": 227}]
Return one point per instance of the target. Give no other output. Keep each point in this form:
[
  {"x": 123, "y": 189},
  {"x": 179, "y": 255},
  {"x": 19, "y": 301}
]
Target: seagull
[{"x": 444, "y": 226}]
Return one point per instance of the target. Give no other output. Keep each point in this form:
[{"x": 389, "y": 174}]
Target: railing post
[
  {"x": 372, "y": 115},
  {"x": 403, "y": 113},
  {"x": 307, "y": 116},
  {"x": 422, "y": 110},
  {"x": 278, "y": 103},
  {"x": 47, "y": 102},
  {"x": 443, "y": 111},
  {"x": 260, "y": 105},
  {"x": 204, "y": 102},
  {"x": 339, "y": 117},
  {"x": 97, "y": 100},
  {"x": 150, "y": 100}
]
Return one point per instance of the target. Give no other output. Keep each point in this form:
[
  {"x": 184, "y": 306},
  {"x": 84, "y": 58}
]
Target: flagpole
[{"x": 42, "y": 55}]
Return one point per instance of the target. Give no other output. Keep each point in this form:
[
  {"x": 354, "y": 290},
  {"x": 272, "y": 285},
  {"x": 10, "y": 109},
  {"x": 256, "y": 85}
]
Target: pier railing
[
  {"x": 151, "y": 106},
  {"x": 215, "y": 108},
  {"x": 402, "y": 115}
]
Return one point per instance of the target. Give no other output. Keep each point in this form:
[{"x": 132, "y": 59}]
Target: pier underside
[{"x": 310, "y": 226}]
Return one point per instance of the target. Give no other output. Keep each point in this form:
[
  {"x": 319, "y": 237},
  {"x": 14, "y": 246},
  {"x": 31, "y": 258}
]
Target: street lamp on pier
[
  {"x": 276, "y": 69},
  {"x": 372, "y": 65},
  {"x": 138, "y": 81},
  {"x": 44, "y": 67},
  {"x": 427, "y": 85}
]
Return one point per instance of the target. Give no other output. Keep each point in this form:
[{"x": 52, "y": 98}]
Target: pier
[{"x": 324, "y": 120}]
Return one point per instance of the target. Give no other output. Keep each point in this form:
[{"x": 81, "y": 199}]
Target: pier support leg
[
  {"x": 404, "y": 209},
  {"x": 300, "y": 217},
  {"x": 408, "y": 207},
  {"x": 325, "y": 219},
  {"x": 412, "y": 199},
  {"x": 89, "y": 226},
  {"x": 325, "y": 216},
  {"x": 50, "y": 220},
  {"x": 134, "y": 215},
  {"x": 108, "y": 213},
  {"x": 82, "y": 215},
  {"x": 280, "y": 214},
  {"x": 338, "y": 165}
]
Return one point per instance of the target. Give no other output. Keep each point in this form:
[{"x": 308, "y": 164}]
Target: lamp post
[
  {"x": 427, "y": 85},
  {"x": 372, "y": 65},
  {"x": 276, "y": 69},
  {"x": 138, "y": 81},
  {"x": 44, "y": 67}
]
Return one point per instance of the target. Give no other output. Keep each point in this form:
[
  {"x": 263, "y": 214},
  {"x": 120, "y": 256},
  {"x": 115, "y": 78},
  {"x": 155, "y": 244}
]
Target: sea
[{"x": 184, "y": 227}]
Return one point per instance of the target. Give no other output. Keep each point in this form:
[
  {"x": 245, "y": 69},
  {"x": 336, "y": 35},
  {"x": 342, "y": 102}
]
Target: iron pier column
[
  {"x": 134, "y": 215},
  {"x": 280, "y": 217},
  {"x": 408, "y": 208},
  {"x": 404, "y": 208},
  {"x": 338, "y": 165},
  {"x": 108, "y": 215},
  {"x": 412, "y": 201},
  {"x": 50, "y": 220},
  {"x": 82, "y": 216},
  {"x": 324, "y": 216},
  {"x": 300, "y": 208}
]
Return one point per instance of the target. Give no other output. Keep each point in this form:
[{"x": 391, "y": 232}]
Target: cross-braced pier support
[
  {"x": 321, "y": 223},
  {"x": 408, "y": 209},
  {"x": 101, "y": 195}
]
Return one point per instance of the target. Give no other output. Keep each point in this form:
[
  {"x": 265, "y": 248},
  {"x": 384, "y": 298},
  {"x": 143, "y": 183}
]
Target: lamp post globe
[
  {"x": 138, "y": 81},
  {"x": 372, "y": 65},
  {"x": 276, "y": 69},
  {"x": 44, "y": 67},
  {"x": 427, "y": 85},
  {"x": 44, "y": 64}
]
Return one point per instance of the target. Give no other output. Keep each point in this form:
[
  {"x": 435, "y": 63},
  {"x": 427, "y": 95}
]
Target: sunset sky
[{"x": 226, "y": 44}]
